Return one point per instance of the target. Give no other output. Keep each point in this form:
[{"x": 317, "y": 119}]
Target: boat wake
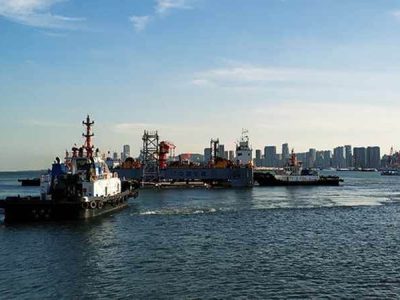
[{"x": 179, "y": 211}]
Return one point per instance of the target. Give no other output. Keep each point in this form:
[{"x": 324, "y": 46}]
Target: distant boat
[
  {"x": 369, "y": 170},
  {"x": 294, "y": 175},
  {"x": 30, "y": 181},
  {"x": 390, "y": 173}
]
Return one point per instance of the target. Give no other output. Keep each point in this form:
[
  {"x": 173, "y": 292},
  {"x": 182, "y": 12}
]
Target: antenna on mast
[{"x": 88, "y": 136}]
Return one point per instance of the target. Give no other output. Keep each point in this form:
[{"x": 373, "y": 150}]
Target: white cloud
[
  {"x": 396, "y": 14},
  {"x": 163, "y": 6},
  {"x": 36, "y": 13},
  {"x": 260, "y": 76},
  {"x": 140, "y": 22}
]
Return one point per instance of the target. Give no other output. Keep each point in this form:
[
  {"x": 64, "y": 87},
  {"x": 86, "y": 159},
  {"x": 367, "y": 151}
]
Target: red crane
[{"x": 165, "y": 149}]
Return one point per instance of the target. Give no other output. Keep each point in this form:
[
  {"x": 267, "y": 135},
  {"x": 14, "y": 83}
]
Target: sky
[{"x": 313, "y": 73}]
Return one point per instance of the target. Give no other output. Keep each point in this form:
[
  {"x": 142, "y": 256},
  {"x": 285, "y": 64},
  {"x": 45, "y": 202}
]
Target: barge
[{"x": 156, "y": 170}]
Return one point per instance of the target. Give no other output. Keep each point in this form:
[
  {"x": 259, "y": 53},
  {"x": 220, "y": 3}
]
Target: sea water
[{"x": 264, "y": 242}]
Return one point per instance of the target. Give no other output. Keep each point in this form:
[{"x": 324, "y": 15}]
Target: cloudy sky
[{"x": 308, "y": 72}]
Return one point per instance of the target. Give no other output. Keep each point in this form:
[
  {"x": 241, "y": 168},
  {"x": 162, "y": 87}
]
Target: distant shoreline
[{"x": 24, "y": 171}]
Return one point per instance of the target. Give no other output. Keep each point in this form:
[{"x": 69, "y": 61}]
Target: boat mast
[
  {"x": 88, "y": 137},
  {"x": 293, "y": 160}
]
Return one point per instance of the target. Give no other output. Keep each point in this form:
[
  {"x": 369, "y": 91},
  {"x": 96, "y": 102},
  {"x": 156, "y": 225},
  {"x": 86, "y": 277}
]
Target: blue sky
[{"x": 309, "y": 72}]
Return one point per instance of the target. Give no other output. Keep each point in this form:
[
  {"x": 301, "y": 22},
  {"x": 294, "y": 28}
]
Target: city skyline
[{"x": 311, "y": 73}]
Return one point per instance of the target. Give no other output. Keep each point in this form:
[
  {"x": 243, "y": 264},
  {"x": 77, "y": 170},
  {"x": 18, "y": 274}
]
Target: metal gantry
[
  {"x": 150, "y": 160},
  {"x": 214, "y": 146}
]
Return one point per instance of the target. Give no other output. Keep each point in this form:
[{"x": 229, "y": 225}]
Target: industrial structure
[
  {"x": 159, "y": 166},
  {"x": 150, "y": 156}
]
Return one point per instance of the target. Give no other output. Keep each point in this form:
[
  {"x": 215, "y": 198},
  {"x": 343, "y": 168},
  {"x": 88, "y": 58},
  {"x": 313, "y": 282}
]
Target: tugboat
[
  {"x": 80, "y": 188},
  {"x": 295, "y": 175}
]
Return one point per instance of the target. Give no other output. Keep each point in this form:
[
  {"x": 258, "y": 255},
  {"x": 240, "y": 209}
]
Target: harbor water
[{"x": 264, "y": 242}]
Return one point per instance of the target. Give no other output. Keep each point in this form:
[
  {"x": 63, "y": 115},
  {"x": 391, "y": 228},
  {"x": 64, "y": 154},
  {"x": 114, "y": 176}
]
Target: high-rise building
[
  {"x": 258, "y": 160},
  {"x": 270, "y": 156},
  {"x": 115, "y": 156},
  {"x": 323, "y": 159},
  {"x": 207, "y": 155},
  {"x": 312, "y": 156},
  {"x": 302, "y": 157},
  {"x": 349, "y": 156},
  {"x": 374, "y": 157},
  {"x": 231, "y": 155},
  {"x": 360, "y": 157},
  {"x": 226, "y": 154},
  {"x": 126, "y": 152},
  {"x": 285, "y": 154},
  {"x": 278, "y": 160},
  {"x": 338, "y": 160},
  {"x": 327, "y": 159},
  {"x": 221, "y": 150}
]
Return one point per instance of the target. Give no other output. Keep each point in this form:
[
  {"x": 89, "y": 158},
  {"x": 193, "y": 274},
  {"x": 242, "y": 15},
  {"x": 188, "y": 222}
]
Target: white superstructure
[{"x": 244, "y": 154}]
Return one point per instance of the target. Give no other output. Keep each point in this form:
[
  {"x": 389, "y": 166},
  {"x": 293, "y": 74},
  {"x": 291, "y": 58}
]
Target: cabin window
[{"x": 105, "y": 191}]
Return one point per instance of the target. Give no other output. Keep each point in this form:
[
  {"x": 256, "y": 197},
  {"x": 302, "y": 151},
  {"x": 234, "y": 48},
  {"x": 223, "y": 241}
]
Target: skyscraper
[
  {"x": 327, "y": 159},
  {"x": 270, "y": 156},
  {"x": 373, "y": 157},
  {"x": 360, "y": 157},
  {"x": 312, "y": 156},
  {"x": 257, "y": 160},
  {"x": 302, "y": 157},
  {"x": 349, "y": 156},
  {"x": 221, "y": 150},
  {"x": 207, "y": 155},
  {"x": 285, "y": 154},
  {"x": 231, "y": 155},
  {"x": 323, "y": 159},
  {"x": 126, "y": 152},
  {"x": 338, "y": 160}
]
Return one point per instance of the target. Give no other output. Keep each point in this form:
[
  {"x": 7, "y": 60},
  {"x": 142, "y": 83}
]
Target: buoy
[
  {"x": 100, "y": 204},
  {"x": 93, "y": 204}
]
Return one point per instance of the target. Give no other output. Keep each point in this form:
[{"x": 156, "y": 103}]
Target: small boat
[
  {"x": 294, "y": 175},
  {"x": 30, "y": 181},
  {"x": 81, "y": 187},
  {"x": 390, "y": 173}
]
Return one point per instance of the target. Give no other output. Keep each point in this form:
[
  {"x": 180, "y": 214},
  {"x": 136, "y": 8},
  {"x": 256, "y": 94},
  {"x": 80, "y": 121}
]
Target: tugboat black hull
[
  {"x": 33, "y": 209},
  {"x": 266, "y": 179}
]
